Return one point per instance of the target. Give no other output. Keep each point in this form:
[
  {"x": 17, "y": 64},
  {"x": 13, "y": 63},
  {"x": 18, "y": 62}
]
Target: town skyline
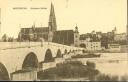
[
  {"x": 68, "y": 15},
  {"x": 75, "y": 40}
]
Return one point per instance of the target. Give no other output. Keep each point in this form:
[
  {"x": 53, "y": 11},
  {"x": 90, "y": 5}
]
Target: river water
[{"x": 110, "y": 63}]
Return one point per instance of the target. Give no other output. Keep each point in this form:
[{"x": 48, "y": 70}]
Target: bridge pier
[{"x": 25, "y": 75}]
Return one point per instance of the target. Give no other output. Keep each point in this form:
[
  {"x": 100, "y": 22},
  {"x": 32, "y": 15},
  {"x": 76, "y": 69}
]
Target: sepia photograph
[{"x": 63, "y": 40}]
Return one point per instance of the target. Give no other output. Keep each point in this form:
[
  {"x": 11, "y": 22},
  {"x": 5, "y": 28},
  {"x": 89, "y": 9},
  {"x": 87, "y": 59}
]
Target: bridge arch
[
  {"x": 4, "y": 75},
  {"x": 30, "y": 61},
  {"x": 59, "y": 54},
  {"x": 48, "y": 56}
]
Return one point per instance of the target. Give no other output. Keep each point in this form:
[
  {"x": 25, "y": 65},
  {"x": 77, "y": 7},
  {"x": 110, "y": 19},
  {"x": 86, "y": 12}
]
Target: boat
[{"x": 89, "y": 55}]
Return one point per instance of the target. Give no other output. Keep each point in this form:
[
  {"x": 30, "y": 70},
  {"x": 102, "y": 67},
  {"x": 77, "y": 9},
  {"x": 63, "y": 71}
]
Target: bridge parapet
[{"x": 14, "y": 45}]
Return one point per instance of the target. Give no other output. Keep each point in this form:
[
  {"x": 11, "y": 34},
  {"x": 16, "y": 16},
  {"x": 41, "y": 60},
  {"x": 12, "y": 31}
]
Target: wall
[{"x": 31, "y": 76}]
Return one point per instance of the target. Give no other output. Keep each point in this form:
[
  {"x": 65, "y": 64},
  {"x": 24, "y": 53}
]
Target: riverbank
[
  {"x": 69, "y": 70},
  {"x": 104, "y": 51},
  {"x": 77, "y": 71}
]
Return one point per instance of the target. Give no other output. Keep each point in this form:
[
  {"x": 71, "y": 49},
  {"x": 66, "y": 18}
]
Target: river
[{"x": 110, "y": 63}]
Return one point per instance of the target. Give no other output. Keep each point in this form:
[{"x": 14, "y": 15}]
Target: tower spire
[{"x": 52, "y": 19}]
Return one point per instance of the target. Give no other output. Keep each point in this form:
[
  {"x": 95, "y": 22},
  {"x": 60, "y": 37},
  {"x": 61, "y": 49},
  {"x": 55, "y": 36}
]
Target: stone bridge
[{"x": 17, "y": 55}]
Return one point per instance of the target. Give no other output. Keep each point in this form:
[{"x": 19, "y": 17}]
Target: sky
[{"x": 88, "y": 15}]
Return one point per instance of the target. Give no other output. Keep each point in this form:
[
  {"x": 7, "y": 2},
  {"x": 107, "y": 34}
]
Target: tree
[
  {"x": 4, "y": 38},
  {"x": 10, "y": 39},
  {"x": 104, "y": 41}
]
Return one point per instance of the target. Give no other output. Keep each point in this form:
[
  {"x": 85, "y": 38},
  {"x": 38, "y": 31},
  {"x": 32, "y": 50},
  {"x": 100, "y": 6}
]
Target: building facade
[
  {"x": 124, "y": 48},
  {"x": 67, "y": 37},
  {"x": 114, "y": 47},
  {"x": 120, "y": 37},
  {"x": 90, "y": 46}
]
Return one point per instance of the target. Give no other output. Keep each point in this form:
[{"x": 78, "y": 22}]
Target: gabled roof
[
  {"x": 41, "y": 29},
  {"x": 35, "y": 29}
]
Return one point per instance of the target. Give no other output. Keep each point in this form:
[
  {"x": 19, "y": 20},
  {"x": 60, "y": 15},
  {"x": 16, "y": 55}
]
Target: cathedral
[
  {"x": 40, "y": 33},
  {"x": 50, "y": 33}
]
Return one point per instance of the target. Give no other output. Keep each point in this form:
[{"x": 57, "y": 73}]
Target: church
[
  {"x": 50, "y": 33},
  {"x": 40, "y": 33}
]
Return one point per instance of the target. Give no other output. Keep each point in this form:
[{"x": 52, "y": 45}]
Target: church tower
[
  {"x": 52, "y": 20},
  {"x": 51, "y": 24},
  {"x": 76, "y": 37}
]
